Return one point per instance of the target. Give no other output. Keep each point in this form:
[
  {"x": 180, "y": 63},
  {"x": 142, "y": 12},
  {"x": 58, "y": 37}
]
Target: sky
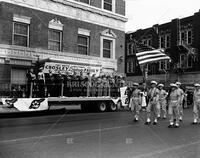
[{"x": 145, "y": 13}]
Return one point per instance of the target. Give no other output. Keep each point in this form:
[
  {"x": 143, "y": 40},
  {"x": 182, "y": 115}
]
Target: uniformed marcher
[
  {"x": 174, "y": 103},
  {"x": 162, "y": 103},
  {"x": 196, "y": 101},
  {"x": 181, "y": 102},
  {"x": 153, "y": 96},
  {"x": 135, "y": 101}
]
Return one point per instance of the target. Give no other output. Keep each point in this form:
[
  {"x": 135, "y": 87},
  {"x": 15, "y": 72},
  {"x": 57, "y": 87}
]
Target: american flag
[{"x": 147, "y": 54}]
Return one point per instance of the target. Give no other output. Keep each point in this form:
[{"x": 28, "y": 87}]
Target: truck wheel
[
  {"x": 113, "y": 106},
  {"x": 102, "y": 107}
]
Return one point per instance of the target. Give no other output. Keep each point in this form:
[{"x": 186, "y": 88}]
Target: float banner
[
  {"x": 63, "y": 68},
  {"x": 124, "y": 97},
  {"x": 26, "y": 104}
]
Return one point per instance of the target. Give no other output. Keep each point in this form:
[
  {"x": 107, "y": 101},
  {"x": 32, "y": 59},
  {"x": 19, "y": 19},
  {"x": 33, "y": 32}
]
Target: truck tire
[
  {"x": 112, "y": 106},
  {"x": 102, "y": 107}
]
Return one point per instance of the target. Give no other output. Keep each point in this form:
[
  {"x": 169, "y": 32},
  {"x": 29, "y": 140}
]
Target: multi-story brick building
[
  {"x": 85, "y": 32},
  {"x": 181, "y": 40}
]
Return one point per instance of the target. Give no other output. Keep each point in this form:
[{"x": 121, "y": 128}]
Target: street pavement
[{"x": 97, "y": 135}]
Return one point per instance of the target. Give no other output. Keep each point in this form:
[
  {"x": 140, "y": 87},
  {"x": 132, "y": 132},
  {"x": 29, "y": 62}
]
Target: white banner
[
  {"x": 26, "y": 104},
  {"x": 124, "y": 97},
  {"x": 63, "y": 68}
]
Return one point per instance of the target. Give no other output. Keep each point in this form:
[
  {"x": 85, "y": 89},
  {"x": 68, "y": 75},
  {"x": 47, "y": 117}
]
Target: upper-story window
[
  {"x": 186, "y": 36},
  {"x": 165, "y": 41},
  {"x": 109, "y": 5},
  {"x": 147, "y": 42},
  {"x": 21, "y": 30},
  {"x": 55, "y": 34},
  {"x": 130, "y": 49},
  {"x": 83, "y": 41},
  {"x": 84, "y": 1},
  {"x": 164, "y": 65},
  {"x": 186, "y": 61},
  {"x": 130, "y": 68},
  {"x": 107, "y": 43}
]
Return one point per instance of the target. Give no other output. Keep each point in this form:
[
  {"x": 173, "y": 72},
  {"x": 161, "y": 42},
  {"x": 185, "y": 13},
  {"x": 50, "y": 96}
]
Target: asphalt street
[{"x": 96, "y": 135}]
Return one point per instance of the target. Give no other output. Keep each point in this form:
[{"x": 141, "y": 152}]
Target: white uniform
[
  {"x": 162, "y": 103},
  {"x": 196, "y": 108},
  {"x": 180, "y": 110},
  {"x": 135, "y": 103}
]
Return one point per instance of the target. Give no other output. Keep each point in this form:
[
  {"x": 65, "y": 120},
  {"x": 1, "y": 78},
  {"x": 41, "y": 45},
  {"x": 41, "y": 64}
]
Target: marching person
[
  {"x": 162, "y": 103},
  {"x": 135, "y": 101},
  {"x": 181, "y": 101},
  {"x": 196, "y": 101},
  {"x": 174, "y": 103},
  {"x": 153, "y": 95}
]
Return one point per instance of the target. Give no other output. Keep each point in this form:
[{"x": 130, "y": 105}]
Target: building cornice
[{"x": 75, "y": 10}]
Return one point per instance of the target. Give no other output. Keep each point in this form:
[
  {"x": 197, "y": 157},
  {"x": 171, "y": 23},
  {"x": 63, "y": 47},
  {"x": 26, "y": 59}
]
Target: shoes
[
  {"x": 147, "y": 123},
  {"x": 176, "y": 126},
  {"x": 194, "y": 123},
  {"x": 155, "y": 123},
  {"x": 164, "y": 118},
  {"x": 170, "y": 126},
  {"x": 180, "y": 120},
  {"x": 135, "y": 120}
]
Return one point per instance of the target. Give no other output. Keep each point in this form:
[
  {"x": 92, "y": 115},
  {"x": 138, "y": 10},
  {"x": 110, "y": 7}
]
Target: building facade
[
  {"x": 87, "y": 32},
  {"x": 181, "y": 40}
]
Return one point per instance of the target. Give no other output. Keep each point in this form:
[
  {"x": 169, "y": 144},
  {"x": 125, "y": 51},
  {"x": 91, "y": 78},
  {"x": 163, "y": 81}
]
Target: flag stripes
[{"x": 147, "y": 54}]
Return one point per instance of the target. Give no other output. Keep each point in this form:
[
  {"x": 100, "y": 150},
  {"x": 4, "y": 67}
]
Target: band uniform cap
[
  {"x": 135, "y": 84},
  {"x": 178, "y": 83},
  {"x": 197, "y": 85},
  {"x": 161, "y": 85},
  {"x": 173, "y": 85},
  {"x": 41, "y": 68},
  {"x": 154, "y": 82}
]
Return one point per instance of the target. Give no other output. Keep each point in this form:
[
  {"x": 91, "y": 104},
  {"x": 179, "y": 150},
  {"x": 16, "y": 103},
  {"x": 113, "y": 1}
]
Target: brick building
[
  {"x": 86, "y": 32},
  {"x": 181, "y": 40}
]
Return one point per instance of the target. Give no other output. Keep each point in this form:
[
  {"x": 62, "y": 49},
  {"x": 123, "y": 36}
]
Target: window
[
  {"x": 108, "y": 5},
  {"x": 18, "y": 77},
  {"x": 54, "y": 40},
  {"x": 107, "y": 44},
  {"x": 164, "y": 65},
  {"x": 84, "y": 1},
  {"x": 167, "y": 41},
  {"x": 83, "y": 44},
  {"x": 182, "y": 36},
  {"x": 130, "y": 49},
  {"x": 147, "y": 42},
  {"x": 20, "y": 34},
  {"x": 162, "y": 42},
  {"x": 189, "y": 61},
  {"x": 189, "y": 37},
  {"x": 131, "y": 66}
]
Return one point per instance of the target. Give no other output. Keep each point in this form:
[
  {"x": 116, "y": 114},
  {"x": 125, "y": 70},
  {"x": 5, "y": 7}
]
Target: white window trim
[
  {"x": 188, "y": 36},
  {"x": 166, "y": 68},
  {"x": 55, "y": 25},
  {"x": 88, "y": 43},
  {"x": 21, "y": 19},
  {"x": 84, "y": 32},
  {"x": 113, "y": 6},
  {"x": 85, "y": 3},
  {"x": 112, "y": 56}
]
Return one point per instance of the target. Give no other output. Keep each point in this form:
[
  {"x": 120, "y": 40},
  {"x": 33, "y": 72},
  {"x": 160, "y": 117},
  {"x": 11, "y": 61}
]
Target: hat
[
  {"x": 135, "y": 84},
  {"x": 173, "y": 85},
  {"x": 197, "y": 85},
  {"x": 161, "y": 85},
  {"x": 41, "y": 68},
  {"x": 154, "y": 82},
  {"x": 178, "y": 83}
]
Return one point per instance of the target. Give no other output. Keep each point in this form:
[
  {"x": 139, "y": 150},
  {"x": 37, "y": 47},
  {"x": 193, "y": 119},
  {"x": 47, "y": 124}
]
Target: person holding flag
[
  {"x": 162, "y": 103},
  {"x": 135, "y": 101},
  {"x": 153, "y": 96}
]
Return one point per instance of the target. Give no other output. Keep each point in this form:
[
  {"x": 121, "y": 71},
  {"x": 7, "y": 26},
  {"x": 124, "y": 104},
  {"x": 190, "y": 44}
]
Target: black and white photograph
[{"x": 99, "y": 79}]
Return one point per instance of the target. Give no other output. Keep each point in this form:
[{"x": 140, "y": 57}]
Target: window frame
[
  {"x": 113, "y": 46},
  {"x": 27, "y": 36},
  {"x": 88, "y": 44},
  {"x": 113, "y": 6},
  {"x": 130, "y": 66},
  {"x": 61, "y": 39},
  {"x": 189, "y": 43},
  {"x": 166, "y": 65}
]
